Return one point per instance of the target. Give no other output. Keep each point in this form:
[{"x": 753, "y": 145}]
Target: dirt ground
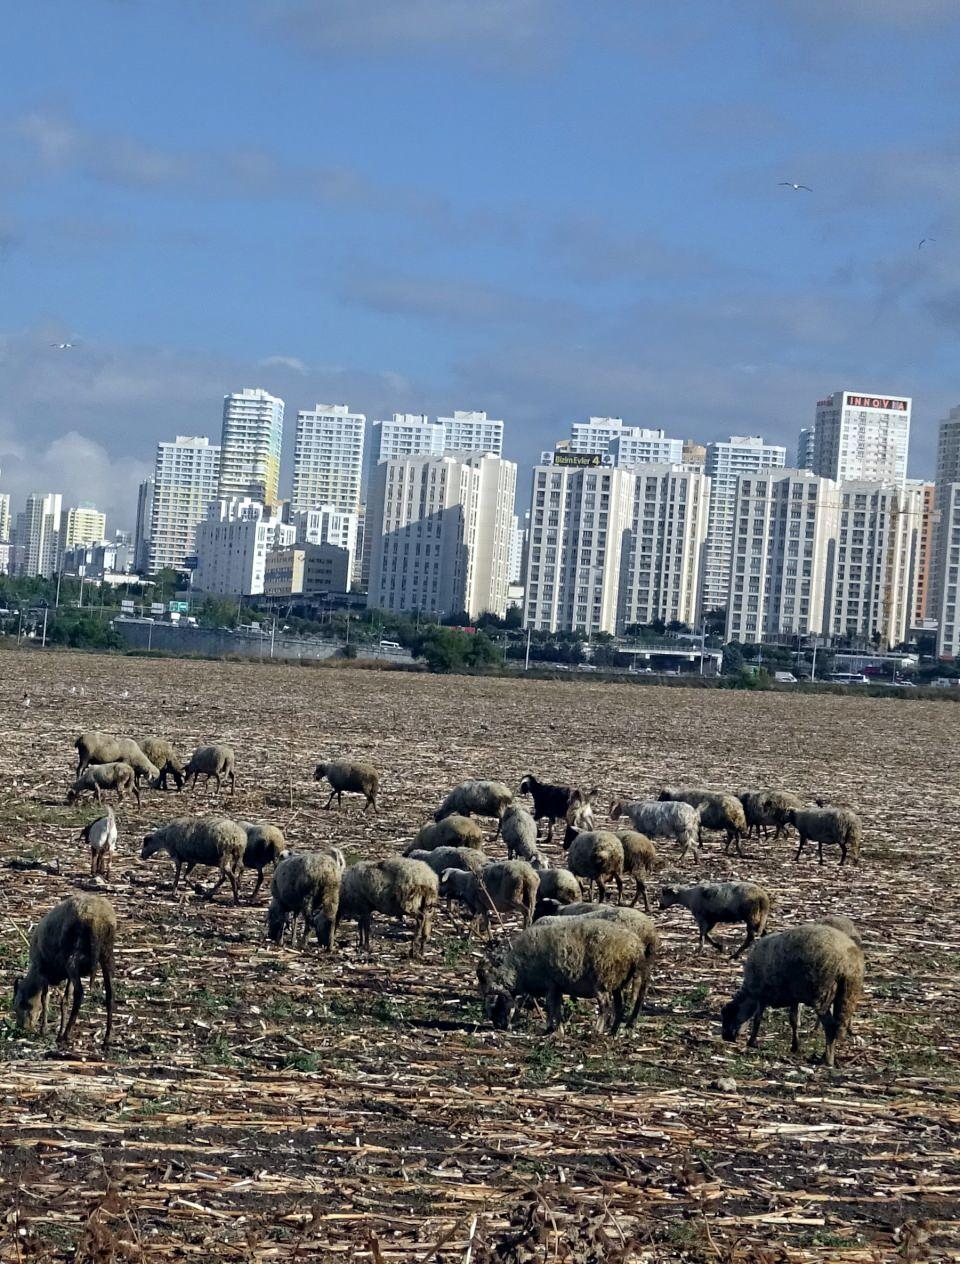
[{"x": 277, "y": 1104}]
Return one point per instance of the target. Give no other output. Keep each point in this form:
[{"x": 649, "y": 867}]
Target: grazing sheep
[
  {"x": 519, "y": 832},
  {"x": 476, "y": 798},
  {"x": 711, "y": 902},
  {"x": 810, "y": 965},
  {"x": 639, "y": 860},
  {"x": 595, "y": 855},
  {"x": 765, "y": 808},
  {"x": 717, "y": 812},
  {"x": 212, "y": 761},
  {"x": 840, "y": 923},
  {"x": 346, "y": 775},
  {"x": 837, "y": 826},
  {"x": 306, "y": 885},
  {"x": 467, "y": 859},
  {"x": 580, "y": 817},
  {"x": 101, "y": 838},
  {"x": 266, "y": 845},
  {"x": 201, "y": 840},
  {"x": 558, "y": 885},
  {"x": 94, "y": 747},
  {"x": 159, "y": 751},
  {"x": 73, "y": 939},
  {"x": 662, "y": 820},
  {"x": 99, "y": 777},
  {"x": 507, "y": 886},
  {"x": 396, "y": 887},
  {"x": 583, "y": 956},
  {"x": 452, "y": 831},
  {"x": 550, "y": 801}
]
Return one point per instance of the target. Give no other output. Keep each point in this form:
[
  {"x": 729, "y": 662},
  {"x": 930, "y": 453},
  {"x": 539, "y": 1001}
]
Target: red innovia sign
[{"x": 877, "y": 401}]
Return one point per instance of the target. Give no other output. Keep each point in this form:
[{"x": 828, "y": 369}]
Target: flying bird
[
  {"x": 789, "y": 184},
  {"x": 63, "y": 346},
  {"x": 924, "y": 239}
]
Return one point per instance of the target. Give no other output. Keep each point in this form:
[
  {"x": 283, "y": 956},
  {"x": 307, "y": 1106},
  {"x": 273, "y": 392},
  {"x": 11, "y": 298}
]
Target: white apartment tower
[
  {"x": 667, "y": 540},
  {"x": 579, "y": 520},
  {"x": 628, "y": 445},
  {"x": 948, "y": 473},
  {"x": 864, "y": 437},
  {"x": 233, "y": 543},
  {"x": 250, "y": 445},
  {"x": 440, "y": 533},
  {"x": 4, "y": 517},
  {"x": 726, "y": 462},
  {"x": 84, "y": 525},
  {"x": 328, "y": 458},
  {"x": 414, "y": 434},
  {"x": 784, "y": 542},
  {"x": 947, "y": 609},
  {"x": 875, "y": 572},
  {"x": 472, "y": 432},
  {"x": 38, "y": 535},
  {"x": 186, "y": 477}
]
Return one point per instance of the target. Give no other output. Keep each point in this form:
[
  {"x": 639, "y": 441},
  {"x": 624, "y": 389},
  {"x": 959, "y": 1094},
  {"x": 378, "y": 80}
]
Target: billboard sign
[
  {"x": 877, "y": 401},
  {"x": 578, "y": 460},
  {"x": 178, "y": 607}
]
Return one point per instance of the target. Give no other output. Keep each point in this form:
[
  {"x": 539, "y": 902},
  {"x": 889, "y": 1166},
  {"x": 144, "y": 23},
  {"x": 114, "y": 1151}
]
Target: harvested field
[{"x": 272, "y": 1104}]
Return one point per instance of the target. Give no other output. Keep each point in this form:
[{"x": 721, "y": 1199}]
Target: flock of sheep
[{"x": 569, "y": 946}]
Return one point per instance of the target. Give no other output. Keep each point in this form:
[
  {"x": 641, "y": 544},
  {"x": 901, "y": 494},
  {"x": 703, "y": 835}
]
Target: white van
[
  {"x": 784, "y": 678},
  {"x": 390, "y": 645}
]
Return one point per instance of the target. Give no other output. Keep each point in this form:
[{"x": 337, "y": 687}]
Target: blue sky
[{"x": 540, "y": 208}]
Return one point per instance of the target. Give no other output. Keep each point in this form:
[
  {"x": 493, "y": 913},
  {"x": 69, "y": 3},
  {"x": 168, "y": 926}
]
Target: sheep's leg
[
  {"x": 176, "y": 876},
  {"x": 794, "y": 1015},
  {"x": 333, "y": 795},
  {"x": 218, "y": 884},
  {"x": 751, "y": 935},
  {"x": 642, "y": 887},
  {"x": 64, "y": 1002},
  {"x": 803, "y": 842},
  {"x": 217, "y": 775},
  {"x": 107, "y": 862},
  {"x": 554, "y": 1001},
  {"x": 549, "y": 834},
  {"x": 499, "y": 826},
  {"x": 108, "y": 998},
  {"x": 710, "y": 940},
  {"x": 619, "y": 881},
  {"x": 755, "y": 1027},
  {"x": 601, "y": 890},
  {"x": 93, "y": 864},
  {"x": 44, "y": 994},
  {"x": 820, "y": 850},
  {"x": 75, "y": 1008},
  {"x": 640, "y": 997},
  {"x": 703, "y": 935},
  {"x": 99, "y": 797},
  {"x": 843, "y": 854},
  {"x": 257, "y": 886},
  {"x": 233, "y": 781},
  {"x": 829, "y": 1025},
  {"x": 235, "y": 885},
  {"x": 617, "y": 1011},
  {"x": 136, "y": 795}
]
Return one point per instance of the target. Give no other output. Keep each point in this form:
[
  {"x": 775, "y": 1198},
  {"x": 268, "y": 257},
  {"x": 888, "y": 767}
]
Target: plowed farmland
[{"x": 269, "y": 1104}]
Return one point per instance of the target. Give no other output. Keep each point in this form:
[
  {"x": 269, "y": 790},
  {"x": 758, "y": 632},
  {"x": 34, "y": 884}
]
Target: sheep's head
[
  {"x": 151, "y": 845},
  {"x": 276, "y": 921},
  {"x": 790, "y": 816},
  {"x": 72, "y": 795},
  {"x": 732, "y": 1019},
  {"x": 496, "y": 993},
  {"x": 527, "y": 784},
  {"x": 669, "y": 895},
  {"x": 320, "y": 772},
  {"x": 616, "y": 810},
  {"x": 546, "y": 908},
  {"x": 26, "y": 1004},
  {"x": 451, "y": 881}
]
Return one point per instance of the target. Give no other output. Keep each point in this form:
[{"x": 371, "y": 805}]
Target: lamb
[
  {"x": 519, "y": 831},
  {"x": 587, "y": 957},
  {"x": 203, "y": 840},
  {"x": 96, "y": 778},
  {"x": 94, "y": 747},
  {"x": 353, "y": 777},
  {"x": 717, "y": 812},
  {"x": 266, "y": 845},
  {"x": 159, "y": 751},
  {"x": 639, "y": 860},
  {"x": 763, "y": 808},
  {"x": 212, "y": 761},
  {"x": 711, "y": 903},
  {"x": 76, "y": 937},
  {"x": 452, "y": 831},
  {"x": 837, "y": 826},
  {"x": 306, "y": 885},
  {"x": 507, "y": 886},
  {"x": 396, "y": 887},
  {"x": 662, "y": 820},
  {"x": 811, "y": 965},
  {"x": 549, "y": 801},
  {"x": 101, "y": 838},
  {"x": 559, "y": 886},
  {"x": 476, "y": 798},
  {"x": 595, "y": 855}
]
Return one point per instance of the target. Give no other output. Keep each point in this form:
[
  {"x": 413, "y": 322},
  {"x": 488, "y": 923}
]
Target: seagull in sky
[
  {"x": 789, "y": 184},
  {"x": 924, "y": 239},
  {"x": 63, "y": 346}
]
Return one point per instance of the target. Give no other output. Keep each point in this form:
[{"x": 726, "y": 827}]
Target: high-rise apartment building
[
  {"x": 38, "y": 535},
  {"x": 948, "y": 472},
  {"x": 947, "y": 610},
  {"x": 668, "y": 533},
  {"x": 186, "y": 477},
  {"x": 439, "y": 529},
  {"x": 330, "y": 526},
  {"x": 726, "y": 463},
  {"x": 784, "y": 542},
  {"x": 693, "y": 453},
  {"x": 414, "y": 434},
  {"x": 328, "y": 458},
  {"x": 84, "y": 525},
  {"x": 4, "y": 517},
  {"x": 875, "y": 568},
  {"x": 233, "y": 543},
  {"x": 144, "y": 522},
  {"x": 472, "y": 432},
  {"x": 250, "y": 445},
  {"x": 628, "y": 445},
  {"x": 863, "y": 437},
  {"x": 579, "y": 520},
  {"x": 805, "y": 447},
  {"x": 925, "y": 546}
]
